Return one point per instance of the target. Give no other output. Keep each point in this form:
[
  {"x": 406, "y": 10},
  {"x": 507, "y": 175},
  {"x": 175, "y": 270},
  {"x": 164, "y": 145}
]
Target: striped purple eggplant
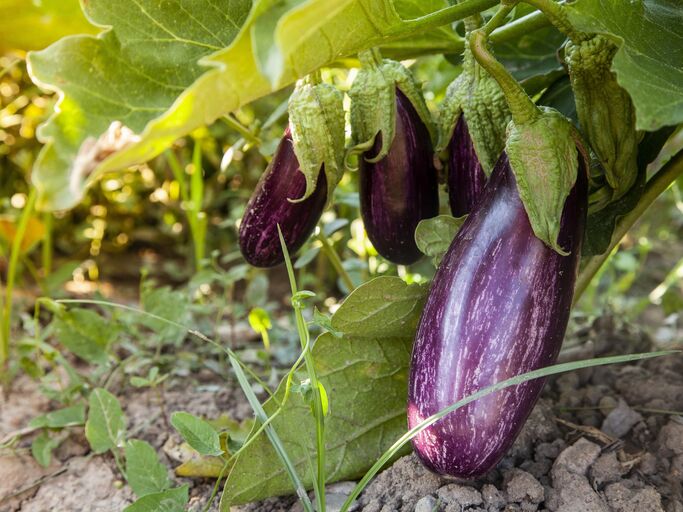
[
  {"x": 401, "y": 189},
  {"x": 269, "y": 206},
  {"x": 498, "y": 307},
  {"x": 466, "y": 177}
]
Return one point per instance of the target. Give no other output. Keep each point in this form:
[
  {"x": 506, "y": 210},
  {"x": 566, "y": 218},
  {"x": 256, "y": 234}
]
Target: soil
[{"x": 601, "y": 439}]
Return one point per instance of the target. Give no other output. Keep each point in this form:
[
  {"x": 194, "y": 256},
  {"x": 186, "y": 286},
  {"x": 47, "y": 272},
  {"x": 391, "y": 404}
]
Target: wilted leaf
[
  {"x": 35, "y": 232},
  {"x": 202, "y": 466}
]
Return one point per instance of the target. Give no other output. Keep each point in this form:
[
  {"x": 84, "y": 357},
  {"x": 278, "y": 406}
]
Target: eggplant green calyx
[
  {"x": 605, "y": 110},
  {"x": 544, "y": 158},
  {"x": 316, "y": 120},
  {"x": 475, "y": 95},
  {"x": 373, "y": 102}
]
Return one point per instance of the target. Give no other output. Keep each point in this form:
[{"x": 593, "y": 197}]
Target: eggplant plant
[{"x": 467, "y": 349}]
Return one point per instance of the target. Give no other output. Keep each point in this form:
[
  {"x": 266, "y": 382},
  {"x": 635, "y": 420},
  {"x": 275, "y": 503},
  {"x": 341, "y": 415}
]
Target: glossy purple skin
[
  {"x": 498, "y": 307},
  {"x": 466, "y": 178},
  {"x": 400, "y": 190},
  {"x": 269, "y": 206}
]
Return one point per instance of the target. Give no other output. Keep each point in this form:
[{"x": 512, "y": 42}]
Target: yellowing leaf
[{"x": 35, "y": 231}]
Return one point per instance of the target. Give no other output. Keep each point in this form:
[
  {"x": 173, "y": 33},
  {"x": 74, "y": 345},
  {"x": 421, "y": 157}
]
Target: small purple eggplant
[
  {"x": 270, "y": 205},
  {"x": 401, "y": 189},
  {"x": 466, "y": 177},
  {"x": 498, "y": 307}
]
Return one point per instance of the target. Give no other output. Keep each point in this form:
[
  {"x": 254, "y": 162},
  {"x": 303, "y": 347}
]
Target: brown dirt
[{"x": 603, "y": 439}]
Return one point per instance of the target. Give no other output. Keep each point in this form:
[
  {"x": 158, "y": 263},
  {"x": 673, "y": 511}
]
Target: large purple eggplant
[
  {"x": 401, "y": 189},
  {"x": 498, "y": 307},
  {"x": 269, "y": 206},
  {"x": 466, "y": 177}
]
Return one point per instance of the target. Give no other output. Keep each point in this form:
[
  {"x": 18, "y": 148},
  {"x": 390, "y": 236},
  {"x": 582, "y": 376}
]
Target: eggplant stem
[
  {"x": 370, "y": 58},
  {"x": 522, "y": 108},
  {"x": 656, "y": 186}
]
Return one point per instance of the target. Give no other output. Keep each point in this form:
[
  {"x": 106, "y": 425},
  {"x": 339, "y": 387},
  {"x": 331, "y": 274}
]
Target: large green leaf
[
  {"x": 649, "y": 63},
  {"x": 34, "y": 25},
  {"x": 131, "y": 73},
  {"x": 146, "y": 72},
  {"x": 365, "y": 375}
]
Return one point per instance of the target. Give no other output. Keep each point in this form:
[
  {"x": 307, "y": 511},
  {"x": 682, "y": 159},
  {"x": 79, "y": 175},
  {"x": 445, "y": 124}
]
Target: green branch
[{"x": 442, "y": 17}]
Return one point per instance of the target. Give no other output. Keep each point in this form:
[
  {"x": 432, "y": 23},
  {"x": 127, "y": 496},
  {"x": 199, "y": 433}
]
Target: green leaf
[
  {"x": 169, "y": 304},
  {"x": 382, "y": 307},
  {"x": 144, "y": 471},
  {"x": 34, "y": 25},
  {"x": 365, "y": 373},
  {"x": 434, "y": 236},
  {"x": 167, "y": 82},
  {"x": 325, "y": 322},
  {"x": 308, "y": 256},
  {"x": 263, "y": 35},
  {"x": 106, "y": 425},
  {"x": 171, "y": 500},
  {"x": 139, "y": 382},
  {"x": 41, "y": 448},
  {"x": 85, "y": 333},
  {"x": 199, "y": 434},
  {"x": 131, "y": 73},
  {"x": 648, "y": 62},
  {"x": 67, "y": 417}
]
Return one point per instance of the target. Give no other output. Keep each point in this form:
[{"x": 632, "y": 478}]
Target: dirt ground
[{"x": 601, "y": 439}]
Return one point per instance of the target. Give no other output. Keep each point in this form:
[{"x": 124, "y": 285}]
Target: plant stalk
[
  {"x": 557, "y": 15},
  {"x": 332, "y": 255},
  {"x": 656, "y": 186},
  {"x": 318, "y": 412},
  {"x": 443, "y": 17},
  {"x": 47, "y": 247},
  {"x": 15, "y": 251}
]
